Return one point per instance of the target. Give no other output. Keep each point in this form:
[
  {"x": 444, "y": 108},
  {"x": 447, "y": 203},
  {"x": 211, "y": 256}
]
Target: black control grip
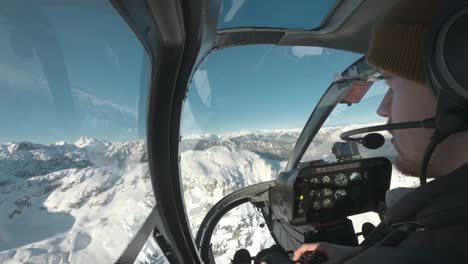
[{"x": 312, "y": 257}]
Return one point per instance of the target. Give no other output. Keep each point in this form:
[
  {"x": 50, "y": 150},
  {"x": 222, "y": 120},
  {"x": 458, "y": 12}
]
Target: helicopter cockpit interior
[
  {"x": 312, "y": 201},
  {"x": 187, "y": 131}
]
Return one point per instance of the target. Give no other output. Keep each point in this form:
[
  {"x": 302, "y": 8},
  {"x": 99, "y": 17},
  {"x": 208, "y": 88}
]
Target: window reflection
[{"x": 75, "y": 185}]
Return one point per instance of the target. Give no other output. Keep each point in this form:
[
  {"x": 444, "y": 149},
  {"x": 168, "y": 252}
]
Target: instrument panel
[
  {"x": 322, "y": 193},
  {"x": 325, "y": 190}
]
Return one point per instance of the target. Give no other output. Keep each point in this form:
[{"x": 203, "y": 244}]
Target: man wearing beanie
[{"x": 428, "y": 224}]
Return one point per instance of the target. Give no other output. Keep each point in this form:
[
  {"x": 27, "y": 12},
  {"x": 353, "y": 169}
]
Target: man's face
[{"x": 406, "y": 101}]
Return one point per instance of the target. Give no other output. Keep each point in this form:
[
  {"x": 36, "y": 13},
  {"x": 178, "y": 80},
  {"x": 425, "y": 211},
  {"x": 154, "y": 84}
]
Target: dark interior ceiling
[{"x": 348, "y": 27}]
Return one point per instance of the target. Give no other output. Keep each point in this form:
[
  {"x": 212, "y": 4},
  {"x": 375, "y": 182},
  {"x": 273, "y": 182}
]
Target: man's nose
[{"x": 385, "y": 106}]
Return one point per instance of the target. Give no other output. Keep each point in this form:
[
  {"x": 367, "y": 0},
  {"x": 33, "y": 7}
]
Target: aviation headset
[
  {"x": 446, "y": 68},
  {"x": 446, "y": 59}
]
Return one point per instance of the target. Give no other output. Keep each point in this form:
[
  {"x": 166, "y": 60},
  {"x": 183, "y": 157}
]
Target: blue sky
[
  {"x": 300, "y": 14},
  {"x": 51, "y": 53},
  {"x": 265, "y": 86},
  {"x": 69, "y": 71},
  {"x": 268, "y": 87}
]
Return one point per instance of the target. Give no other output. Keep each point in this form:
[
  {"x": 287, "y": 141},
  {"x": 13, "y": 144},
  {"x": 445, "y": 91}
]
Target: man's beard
[
  {"x": 406, "y": 165},
  {"x": 410, "y": 166}
]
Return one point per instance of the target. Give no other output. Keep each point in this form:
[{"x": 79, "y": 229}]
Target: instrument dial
[
  {"x": 314, "y": 181},
  {"x": 340, "y": 194},
  {"x": 315, "y": 194},
  {"x": 327, "y": 192},
  {"x": 341, "y": 180},
  {"x": 326, "y": 179},
  {"x": 316, "y": 205},
  {"x": 356, "y": 176},
  {"x": 327, "y": 203}
]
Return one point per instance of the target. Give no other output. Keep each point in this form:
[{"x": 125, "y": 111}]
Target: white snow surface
[
  {"x": 88, "y": 203},
  {"x": 225, "y": 163},
  {"x": 210, "y": 175},
  {"x": 83, "y": 202}
]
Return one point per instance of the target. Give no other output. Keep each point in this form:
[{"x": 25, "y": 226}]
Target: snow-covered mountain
[
  {"x": 83, "y": 202},
  {"x": 278, "y": 144},
  {"x": 71, "y": 203},
  {"x": 215, "y": 165},
  {"x": 272, "y": 144},
  {"x": 211, "y": 174}
]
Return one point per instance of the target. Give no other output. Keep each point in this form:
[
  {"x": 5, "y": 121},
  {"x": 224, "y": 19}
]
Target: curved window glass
[
  {"x": 151, "y": 253},
  {"x": 244, "y": 112},
  {"x": 74, "y": 179},
  {"x": 298, "y": 14},
  {"x": 346, "y": 117}
]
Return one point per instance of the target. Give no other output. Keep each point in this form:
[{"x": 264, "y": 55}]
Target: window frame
[{"x": 334, "y": 95}]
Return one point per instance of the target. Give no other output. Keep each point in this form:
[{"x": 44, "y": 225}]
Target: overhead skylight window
[{"x": 298, "y": 14}]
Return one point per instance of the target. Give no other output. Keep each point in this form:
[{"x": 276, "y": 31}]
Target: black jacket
[{"x": 428, "y": 225}]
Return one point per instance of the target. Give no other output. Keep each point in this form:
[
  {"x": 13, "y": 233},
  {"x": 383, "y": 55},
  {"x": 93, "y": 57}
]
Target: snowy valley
[{"x": 83, "y": 202}]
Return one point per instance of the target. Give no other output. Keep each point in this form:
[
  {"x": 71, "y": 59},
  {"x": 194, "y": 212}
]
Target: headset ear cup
[
  {"x": 447, "y": 56},
  {"x": 429, "y": 51}
]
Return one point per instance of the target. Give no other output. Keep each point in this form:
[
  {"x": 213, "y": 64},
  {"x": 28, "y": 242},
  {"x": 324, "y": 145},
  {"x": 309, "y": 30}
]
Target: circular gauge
[
  {"x": 355, "y": 176},
  {"x": 341, "y": 180},
  {"x": 314, "y": 181},
  {"x": 327, "y": 203},
  {"x": 340, "y": 194},
  {"x": 314, "y": 193},
  {"x": 318, "y": 194},
  {"x": 316, "y": 205},
  {"x": 327, "y": 192},
  {"x": 326, "y": 179}
]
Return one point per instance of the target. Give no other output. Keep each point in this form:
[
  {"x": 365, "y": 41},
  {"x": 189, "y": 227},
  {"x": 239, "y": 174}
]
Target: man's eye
[{"x": 378, "y": 77}]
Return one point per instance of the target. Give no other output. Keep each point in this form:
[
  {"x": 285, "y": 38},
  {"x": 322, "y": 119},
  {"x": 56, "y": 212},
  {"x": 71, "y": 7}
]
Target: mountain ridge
[{"x": 79, "y": 193}]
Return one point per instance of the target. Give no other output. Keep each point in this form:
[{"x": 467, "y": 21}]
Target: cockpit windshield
[
  {"x": 243, "y": 115},
  {"x": 357, "y": 109},
  {"x": 302, "y": 14}
]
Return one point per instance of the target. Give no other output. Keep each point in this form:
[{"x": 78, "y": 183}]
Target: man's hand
[{"x": 334, "y": 253}]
